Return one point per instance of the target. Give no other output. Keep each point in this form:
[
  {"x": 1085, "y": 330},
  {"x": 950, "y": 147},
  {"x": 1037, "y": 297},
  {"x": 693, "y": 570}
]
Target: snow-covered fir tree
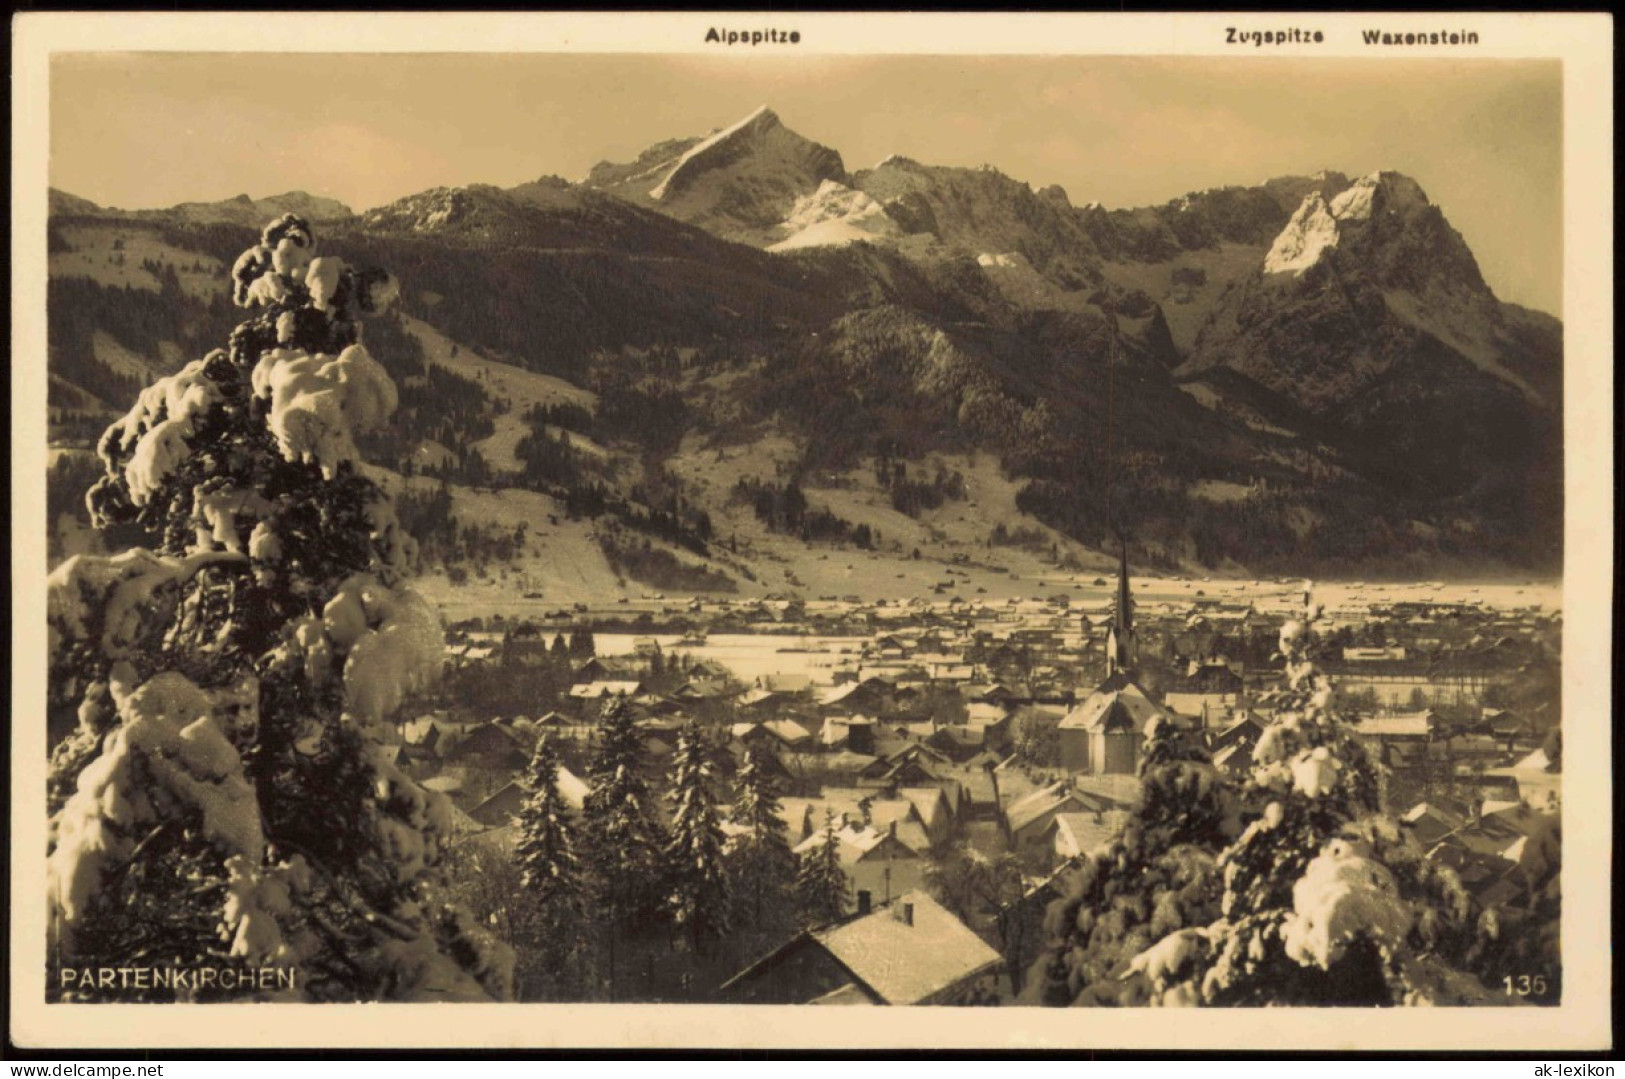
[
  {"x": 821, "y": 885},
  {"x": 1320, "y": 899},
  {"x": 230, "y": 794},
  {"x": 621, "y": 840},
  {"x": 548, "y": 917},
  {"x": 546, "y": 847},
  {"x": 696, "y": 874},
  {"x": 1158, "y": 875},
  {"x": 764, "y": 867}
]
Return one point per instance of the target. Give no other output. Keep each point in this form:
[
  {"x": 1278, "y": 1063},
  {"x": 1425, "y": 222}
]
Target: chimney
[
  {"x": 907, "y": 914},
  {"x": 891, "y": 829}
]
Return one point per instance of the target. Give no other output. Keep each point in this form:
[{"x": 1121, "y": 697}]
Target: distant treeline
[
  {"x": 445, "y": 540},
  {"x": 657, "y": 567},
  {"x": 784, "y": 508},
  {"x": 139, "y": 319},
  {"x": 436, "y": 405},
  {"x": 914, "y": 495}
]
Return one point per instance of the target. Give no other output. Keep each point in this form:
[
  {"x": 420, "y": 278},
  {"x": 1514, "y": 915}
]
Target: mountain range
[{"x": 1310, "y": 373}]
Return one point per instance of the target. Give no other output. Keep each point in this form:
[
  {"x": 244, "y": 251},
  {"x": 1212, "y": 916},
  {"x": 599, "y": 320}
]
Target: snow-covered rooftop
[{"x": 909, "y": 963}]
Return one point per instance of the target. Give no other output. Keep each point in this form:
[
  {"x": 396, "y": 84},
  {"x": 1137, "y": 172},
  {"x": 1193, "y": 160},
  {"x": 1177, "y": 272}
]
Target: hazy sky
[{"x": 1483, "y": 138}]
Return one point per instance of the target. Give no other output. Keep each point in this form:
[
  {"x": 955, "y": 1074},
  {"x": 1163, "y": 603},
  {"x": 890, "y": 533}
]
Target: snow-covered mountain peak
[
  {"x": 424, "y": 211},
  {"x": 1318, "y": 223},
  {"x": 1310, "y": 232},
  {"x": 1395, "y": 191},
  {"x": 723, "y": 144},
  {"x": 740, "y": 182}
]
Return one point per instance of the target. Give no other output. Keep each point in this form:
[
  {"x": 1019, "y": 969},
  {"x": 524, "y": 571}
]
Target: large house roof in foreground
[{"x": 893, "y": 960}]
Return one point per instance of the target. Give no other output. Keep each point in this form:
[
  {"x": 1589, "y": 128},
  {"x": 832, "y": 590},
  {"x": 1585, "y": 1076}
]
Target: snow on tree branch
[{"x": 234, "y": 685}]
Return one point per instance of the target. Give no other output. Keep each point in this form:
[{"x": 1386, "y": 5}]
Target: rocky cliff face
[
  {"x": 836, "y": 215},
  {"x": 976, "y": 212},
  {"x": 1368, "y": 311}
]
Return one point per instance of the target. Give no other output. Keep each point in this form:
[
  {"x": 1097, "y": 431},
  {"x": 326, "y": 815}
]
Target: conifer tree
[
  {"x": 230, "y": 795},
  {"x": 547, "y": 918},
  {"x": 821, "y": 885},
  {"x": 764, "y": 865},
  {"x": 621, "y": 841},
  {"x": 696, "y": 875},
  {"x": 546, "y": 849}
]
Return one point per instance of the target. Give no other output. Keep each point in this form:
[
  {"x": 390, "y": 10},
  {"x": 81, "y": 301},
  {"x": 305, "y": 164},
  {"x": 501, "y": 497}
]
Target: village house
[
  {"x": 1029, "y": 821},
  {"x": 1497, "y": 850},
  {"x": 1503, "y": 725},
  {"x": 842, "y": 766},
  {"x": 1079, "y": 834},
  {"x": 468, "y": 654},
  {"x": 1486, "y": 787},
  {"x": 776, "y": 734},
  {"x": 493, "y": 747},
  {"x": 916, "y": 765},
  {"x": 1396, "y": 739},
  {"x": 420, "y": 742},
  {"x": 559, "y": 725},
  {"x": 697, "y": 691},
  {"x": 871, "y": 696},
  {"x": 593, "y": 669},
  {"x": 600, "y": 691},
  {"x": 936, "y": 811},
  {"x": 1207, "y": 691},
  {"x": 890, "y": 810},
  {"x": 909, "y": 952},
  {"x": 1110, "y": 791},
  {"x": 1007, "y": 695},
  {"x": 1241, "y": 727},
  {"x": 878, "y": 865},
  {"x": 853, "y": 733},
  {"x": 958, "y": 742},
  {"x": 500, "y": 809},
  {"x": 529, "y": 650},
  {"x": 1540, "y": 782},
  {"x": 1231, "y": 746}
]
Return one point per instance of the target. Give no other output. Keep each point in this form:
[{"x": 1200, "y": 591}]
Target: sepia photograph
[{"x": 750, "y": 523}]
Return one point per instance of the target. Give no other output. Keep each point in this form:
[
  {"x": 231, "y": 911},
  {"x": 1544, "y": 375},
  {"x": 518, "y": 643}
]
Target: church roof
[{"x": 1119, "y": 705}]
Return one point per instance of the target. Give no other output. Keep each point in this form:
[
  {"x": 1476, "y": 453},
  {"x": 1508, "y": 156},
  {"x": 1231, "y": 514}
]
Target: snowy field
[{"x": 750, "y": 656}]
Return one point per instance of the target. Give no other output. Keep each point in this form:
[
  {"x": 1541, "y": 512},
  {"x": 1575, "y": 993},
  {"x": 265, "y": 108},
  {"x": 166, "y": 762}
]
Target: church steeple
[{"x": 1120, "y": 643}]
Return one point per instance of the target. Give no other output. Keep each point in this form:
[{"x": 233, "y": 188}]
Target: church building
[{"x": 1104, "y": 734}]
